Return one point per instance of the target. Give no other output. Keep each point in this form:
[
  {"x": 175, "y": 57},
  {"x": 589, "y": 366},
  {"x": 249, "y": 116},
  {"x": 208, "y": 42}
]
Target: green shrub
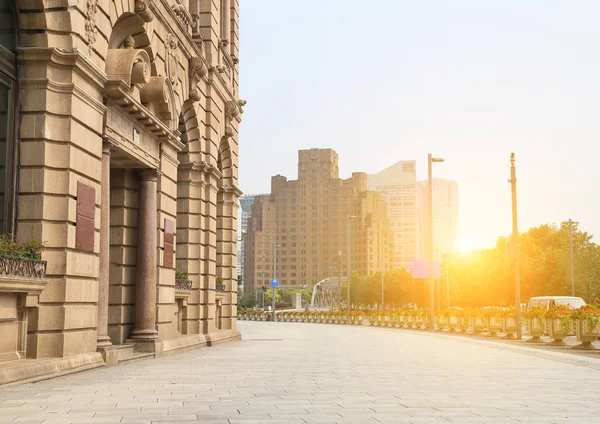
[
  {"x": 180, "y": 275},
  {"x": 30, "y": 249}
]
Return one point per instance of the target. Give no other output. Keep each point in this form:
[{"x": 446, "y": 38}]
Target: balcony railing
[
  {"x": 22, "y": 267},
  {"x": 183, "y": 285}
]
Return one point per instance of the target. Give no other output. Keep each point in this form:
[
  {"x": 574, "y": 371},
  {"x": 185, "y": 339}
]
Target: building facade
[
  {"x": 308, "y": 220},
  {"x": 445, "y": 216},
  {"x": 246, "y": 202},
  {"x": 120, "y": 151},
  {"x": 397, "y": 185}
]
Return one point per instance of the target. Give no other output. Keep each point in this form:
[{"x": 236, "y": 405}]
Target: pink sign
[{"x": 420, "y": 269}]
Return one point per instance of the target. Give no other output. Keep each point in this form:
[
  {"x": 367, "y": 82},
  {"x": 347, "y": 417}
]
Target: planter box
[
  {"x": 510, "y": 326},
  {"x": 452, "y": 323},
  {"x": 558, "y": 331},
  {"x": 536, "y": 330},
  {"x": 586, "y": 332},
  {"x": 494, "y": 326}
]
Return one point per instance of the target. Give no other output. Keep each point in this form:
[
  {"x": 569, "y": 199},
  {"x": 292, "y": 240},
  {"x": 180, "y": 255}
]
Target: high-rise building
[
  {"x": 245, "y": 210},
  {"x": 397, "y": 185},
  {"x": 308, "y": 219},
  {"x": 445, "y": 216}
]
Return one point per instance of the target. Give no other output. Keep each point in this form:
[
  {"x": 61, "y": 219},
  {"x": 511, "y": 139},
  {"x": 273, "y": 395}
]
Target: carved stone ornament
[
  {"x": 91, "y": 32},
  {"x": 142, "y": 9},
  {"x": 232, "y": 110},
  {"x": 171, "y": 48},
  {"x": 197, "y": 70}
]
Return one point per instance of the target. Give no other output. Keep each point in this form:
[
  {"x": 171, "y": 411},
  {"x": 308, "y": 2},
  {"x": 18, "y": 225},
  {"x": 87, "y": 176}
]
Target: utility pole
[
  {"x": 515, "y": 234},
  {"x": 274, "y": 279},
  {"x": 430, "y": 161},
  {"x": 348, "y": 310},
  {"x": 571, "y": 223},
  {"x": 382, "y": 289},
  {"x": 262, "y": 291},
  {"x": 339, "y": 277},
  {"x": 447, "y": 285}
]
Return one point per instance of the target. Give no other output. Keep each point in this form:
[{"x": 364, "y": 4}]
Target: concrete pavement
[{"x": 312, "y": 373}]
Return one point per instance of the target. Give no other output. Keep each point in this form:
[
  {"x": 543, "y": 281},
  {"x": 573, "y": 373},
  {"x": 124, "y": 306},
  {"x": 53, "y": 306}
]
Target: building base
[{"x": 32, "y": 370}]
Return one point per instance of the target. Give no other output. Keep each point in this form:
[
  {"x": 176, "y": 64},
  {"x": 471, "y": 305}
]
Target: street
[{"x": 312, "y": 373}]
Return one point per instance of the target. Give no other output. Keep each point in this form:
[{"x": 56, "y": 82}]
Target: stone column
[
  {"x": 146, "y": 266},
  {"x": 103, "y": 340}
]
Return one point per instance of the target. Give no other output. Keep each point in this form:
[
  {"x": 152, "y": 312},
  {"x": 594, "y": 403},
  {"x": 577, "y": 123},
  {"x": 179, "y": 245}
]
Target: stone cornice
[
  {"x": 67, "y": 58},
  {"x": 203, "y": 167},
  {"x": 233, "y": 189},
  {"x": 119, "y": 93},
  {"x": 66, "y": 88}
]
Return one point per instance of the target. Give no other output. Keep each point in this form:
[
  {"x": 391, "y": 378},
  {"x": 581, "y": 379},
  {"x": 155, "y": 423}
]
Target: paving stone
[{"x": 324, "y": 374}]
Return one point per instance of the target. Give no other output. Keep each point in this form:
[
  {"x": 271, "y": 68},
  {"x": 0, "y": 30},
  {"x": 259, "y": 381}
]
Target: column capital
[{"x": 149, "y": 174}]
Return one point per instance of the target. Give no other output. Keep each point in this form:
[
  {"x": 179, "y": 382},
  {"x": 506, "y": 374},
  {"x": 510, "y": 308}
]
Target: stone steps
[
  {"x": 137, "y": 356},
  {"x": 127, "y": 353}
]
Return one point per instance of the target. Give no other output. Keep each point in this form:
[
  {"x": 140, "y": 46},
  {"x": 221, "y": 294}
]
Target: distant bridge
[{"x": 326, "y": 293}]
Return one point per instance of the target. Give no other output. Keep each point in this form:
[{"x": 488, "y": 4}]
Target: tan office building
[
  {"x": 308, "y": 219},
  {"x": 445, "y": 216},
  {"x": 397, "y": 185},
  {"x": 120, "y": 138}
]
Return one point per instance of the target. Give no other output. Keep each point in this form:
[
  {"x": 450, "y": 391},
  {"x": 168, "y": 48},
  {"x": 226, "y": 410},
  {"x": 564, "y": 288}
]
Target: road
[{"x": 318, "y": 373}]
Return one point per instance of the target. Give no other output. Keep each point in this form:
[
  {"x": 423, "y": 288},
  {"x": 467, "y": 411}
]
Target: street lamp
[
  {"x": 275, "y": 246},
  {"x": 263, "y": 280},
  {"x": 571, "y": 223},
  {"x": 339, "y": 284},
  {"x": 349, "y": 218},
  {"x": 515, "y": 234},
  {"x": 430, "y": 161},
  {"x": 382, "y": 275}
]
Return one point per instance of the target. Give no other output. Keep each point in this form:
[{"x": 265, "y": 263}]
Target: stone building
[
  {"x": 120, "y": 140},
  {"x": 308, "y": 219}
]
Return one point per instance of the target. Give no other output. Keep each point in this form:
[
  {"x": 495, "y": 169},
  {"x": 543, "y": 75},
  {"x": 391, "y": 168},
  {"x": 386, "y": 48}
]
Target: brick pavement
[{"x": 311, "y": 373}]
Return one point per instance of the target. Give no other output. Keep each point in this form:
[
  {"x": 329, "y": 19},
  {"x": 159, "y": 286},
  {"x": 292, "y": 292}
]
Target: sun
[{"x": 466, "y": 245}]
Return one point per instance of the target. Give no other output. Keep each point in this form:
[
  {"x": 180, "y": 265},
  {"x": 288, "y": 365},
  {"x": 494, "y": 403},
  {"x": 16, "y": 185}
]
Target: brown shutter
[
  {"x": 169, "y": 240},
  {"x": 85, "y": 215}
]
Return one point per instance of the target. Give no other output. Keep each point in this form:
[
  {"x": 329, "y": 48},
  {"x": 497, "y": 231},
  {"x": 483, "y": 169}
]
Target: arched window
[{"x": 8, "y": 114}]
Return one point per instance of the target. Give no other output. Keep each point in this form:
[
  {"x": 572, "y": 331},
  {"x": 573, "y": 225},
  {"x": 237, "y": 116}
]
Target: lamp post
[
  {"x": 382, "y": 280},
  {"x": 275, "y": 246},
  {"x": 348, "y": 313},
  {"x": 447, "y": 284},
  {"x": 262, "y": 291},
  {"x": 515, "y": 234},
  {"x": 430, "y": 161},
  {"x": 339, "y": 276},
  {"x": 570, "y": 223}
]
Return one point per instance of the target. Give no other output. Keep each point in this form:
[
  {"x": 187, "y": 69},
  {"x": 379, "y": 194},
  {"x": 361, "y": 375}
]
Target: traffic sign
[{"x": 274, "y": 283}]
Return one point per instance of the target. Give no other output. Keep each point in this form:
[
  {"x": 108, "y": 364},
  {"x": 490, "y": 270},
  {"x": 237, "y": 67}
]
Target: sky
[{"x": 467, "y": 80}]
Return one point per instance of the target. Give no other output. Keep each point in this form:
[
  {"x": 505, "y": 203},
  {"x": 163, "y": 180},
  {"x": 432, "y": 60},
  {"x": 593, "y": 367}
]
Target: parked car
[{"x": 550, "y": 302}]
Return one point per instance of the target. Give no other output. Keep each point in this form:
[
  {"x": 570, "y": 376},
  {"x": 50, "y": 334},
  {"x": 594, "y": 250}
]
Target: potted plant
[
  {"x": 441, "y": 317},
  {"x": 587, "y": 326},
  {"x": 493, "y": 316},
  {"x": 454, "y": 319},
  {"x": 560, "y": 324},
  {"x": 509, "y": 322},
  {"x": 536, "y": 321}
]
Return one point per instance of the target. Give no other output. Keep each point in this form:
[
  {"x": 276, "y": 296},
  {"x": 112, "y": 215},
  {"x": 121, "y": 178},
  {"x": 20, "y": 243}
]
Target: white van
[{"x": 549, "y": 302}]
